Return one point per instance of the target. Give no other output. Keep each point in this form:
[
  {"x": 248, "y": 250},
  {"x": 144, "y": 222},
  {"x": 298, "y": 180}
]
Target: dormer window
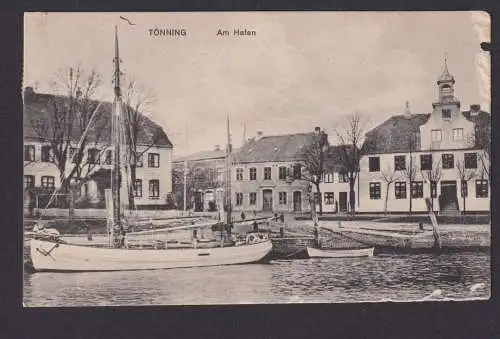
[{"x": 446, "y": 113}]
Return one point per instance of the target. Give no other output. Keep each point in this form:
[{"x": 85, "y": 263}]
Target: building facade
[
  {"x": 442, "y": 155},
  {"x": 42, "y": 175},
  {"x": 334, "y": 186},
  {"x": 266, "y": 174},
  {"x": 204, "y": 173}
]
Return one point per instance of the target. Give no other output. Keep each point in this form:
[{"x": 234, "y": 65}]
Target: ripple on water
[{"x": 394, "y": 277}]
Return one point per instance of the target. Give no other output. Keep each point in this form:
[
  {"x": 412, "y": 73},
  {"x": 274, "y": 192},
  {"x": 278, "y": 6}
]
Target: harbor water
[{"x": 395, "y": 277}]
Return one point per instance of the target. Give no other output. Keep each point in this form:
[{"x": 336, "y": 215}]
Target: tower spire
[{"x": 117, "y": 65}]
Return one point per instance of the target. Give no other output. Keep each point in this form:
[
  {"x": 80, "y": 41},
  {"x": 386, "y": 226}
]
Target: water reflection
[{"x": 395, "y": 277}]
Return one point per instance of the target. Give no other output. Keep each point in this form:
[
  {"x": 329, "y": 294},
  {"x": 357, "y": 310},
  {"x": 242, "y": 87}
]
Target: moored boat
[
  {"x": 49, "y": 253},
  {"x": 340, "y": 253},
  {"x": 54, "y": 256}
]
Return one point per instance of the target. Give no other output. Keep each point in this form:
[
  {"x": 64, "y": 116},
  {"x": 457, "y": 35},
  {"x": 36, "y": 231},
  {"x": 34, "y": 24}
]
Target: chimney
[
  {"x": 217, "y": 148},
  {"x": 407, "y": 111},
  {"x": 475, "y": 109},
  {"x": 259, "y": 136}
]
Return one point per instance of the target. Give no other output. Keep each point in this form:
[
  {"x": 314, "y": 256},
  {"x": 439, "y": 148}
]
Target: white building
[
  {"x": 443, "y": 155},
  {"x": 41, "y": 175},
  {"x": 334, "y": 184}
]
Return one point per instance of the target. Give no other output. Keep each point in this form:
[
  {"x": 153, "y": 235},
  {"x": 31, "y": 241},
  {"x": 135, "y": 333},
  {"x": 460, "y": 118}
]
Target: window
[
  {"x": 464, "y": 189},
  {"x": 417, "y": 189},
  {"x": 48, "y": 181},
  {"x": 343, "y": 178},
  {"x": 426, "y": 162},
  {"x": 470, "y": 160},
  {"x": 375, "y": 190},
  {"x": 138, "y": 188},
  {"x": 282, "y": 196},
  {"x": 29, "y": 181},
  {"x": 154, "y": 189},
  {"x": 210, "y": 174},
  {"x": 153, "y": 160},
  {"x": 93, "y": 156},
  {"x": 297, "y": 171},
  {"x": 239, "y": 174},
  {"x": 220, "y": 173},
  {"x": 139, "y": 162},
  {"x": 109, "y": 157},
  {"x": 29, "y": 153},
  {"x": 448, "y": 161},
  {"x": 374, "y": 164},
  {"x": 433, "y": 189},
  {"x": 400, "y": 190},
  {"x": 253, "y": 173},
  {"x": 253, "y": 198},
  {"x": 399, "y": 162},
  {"x": 446, "y": 113},
  {"x": 458, "y": 134},
  {"x": 329, "y": 198},
  {"x": 267, "y": 173},
  {"x": 239, "y": 199},
  {"x": 47, "y": 154},
  {"x": 282, "y": 173},
  {"x": 328, "y": 177},
  {"x": 481, "y": 188},
  {"x": 436, "y": 135}
]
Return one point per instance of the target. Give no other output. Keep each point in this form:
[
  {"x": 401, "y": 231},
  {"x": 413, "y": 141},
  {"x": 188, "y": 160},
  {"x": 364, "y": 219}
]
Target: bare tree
[
  {"x": 70, "y": 123},
  {"x": 351, "y": 135},
  {"x": 311, "y": 165},
  {"x": 432, "y": 176},
  {"x": 410, "y": 173},
  {"x": 465, "y": 174},
  {"x": 484, "y": 142},
  {"x": 389, "y": 175},
  {"x": 197, "y": 178},
  {"x": 136, "y": 102}
]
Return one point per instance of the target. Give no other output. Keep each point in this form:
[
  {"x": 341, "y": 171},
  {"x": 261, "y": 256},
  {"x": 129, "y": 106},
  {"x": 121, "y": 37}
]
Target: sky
[{"x": 300, "y": 70}]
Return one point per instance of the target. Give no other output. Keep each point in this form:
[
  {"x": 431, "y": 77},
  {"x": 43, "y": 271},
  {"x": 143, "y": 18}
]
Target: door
[
  {"x": 342, "y": 201},
  {"x": 448, "y": 193},
  {"x": 297, "y": 201},
  {"x": 267, "y": 200}
]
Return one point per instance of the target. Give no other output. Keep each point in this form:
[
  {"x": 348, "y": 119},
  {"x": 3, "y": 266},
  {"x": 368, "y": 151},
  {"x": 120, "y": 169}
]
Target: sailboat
[{"x": 56, "y": 255}]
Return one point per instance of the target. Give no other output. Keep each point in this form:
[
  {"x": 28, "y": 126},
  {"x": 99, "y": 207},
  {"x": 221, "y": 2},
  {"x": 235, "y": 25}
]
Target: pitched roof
[
  {"x": 203, "y": 155},
  {"x": 393, "y": 135},
  {"x": 273, "y": 148},
  {"x": 334, "y": 160},
  {"x": 38, "y": 111}
]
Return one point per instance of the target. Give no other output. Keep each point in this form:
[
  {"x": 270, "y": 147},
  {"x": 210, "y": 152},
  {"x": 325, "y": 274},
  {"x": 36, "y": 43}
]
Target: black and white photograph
[{"x": 214, "y": 158}]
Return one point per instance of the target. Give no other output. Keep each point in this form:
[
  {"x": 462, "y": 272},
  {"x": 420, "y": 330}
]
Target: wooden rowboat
[{"x": 340, "y": 253}]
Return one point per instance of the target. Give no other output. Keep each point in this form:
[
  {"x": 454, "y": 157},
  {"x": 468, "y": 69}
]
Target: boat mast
[{"x": 117, "y": 222}]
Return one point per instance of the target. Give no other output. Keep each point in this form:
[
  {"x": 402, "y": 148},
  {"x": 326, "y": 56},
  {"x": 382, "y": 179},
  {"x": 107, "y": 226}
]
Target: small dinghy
[{"x": 340, "y": 253}]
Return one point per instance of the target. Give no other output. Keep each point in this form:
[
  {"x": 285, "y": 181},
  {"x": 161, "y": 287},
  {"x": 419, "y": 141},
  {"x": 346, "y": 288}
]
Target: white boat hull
[
  {"x": 340, "y": 253},
  {"x": 49, "y": 256}
]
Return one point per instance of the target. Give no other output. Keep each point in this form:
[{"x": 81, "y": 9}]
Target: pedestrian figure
[
  {"x": 276, "y": 216},
  {"x": 282, "y": 217},
  {"x": 255, "y": 226},
  {"x": 242, "y": 215},
  {"x": 421, "y": 226}
]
